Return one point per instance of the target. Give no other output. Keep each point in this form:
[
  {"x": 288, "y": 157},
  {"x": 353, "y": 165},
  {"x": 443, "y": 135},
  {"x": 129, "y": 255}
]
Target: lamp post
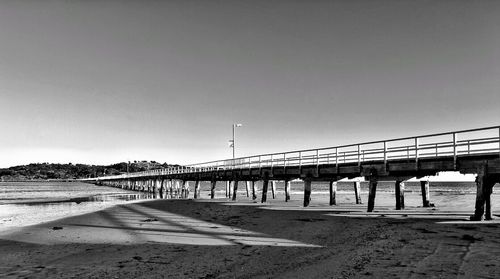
[{"x": 233, "y": 143}]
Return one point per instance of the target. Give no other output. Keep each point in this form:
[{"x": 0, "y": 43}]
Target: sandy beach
[{"x": 245, "y": 239}]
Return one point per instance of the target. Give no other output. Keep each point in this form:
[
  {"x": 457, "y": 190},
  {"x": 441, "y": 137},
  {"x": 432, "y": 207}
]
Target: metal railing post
[
  {"x": 385, "y": 153},
  {"x": 416, "y": 148},
  {"x": 284, "y": 161},
  {"x": 359, "y": 155},
  {"x": 317, "y": 162},
  {"x": 454, "y": 151},
  {"x": 336, "y": 158}
]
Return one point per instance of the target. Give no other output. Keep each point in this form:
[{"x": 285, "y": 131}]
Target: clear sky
[{"x": 107, "y": 81}]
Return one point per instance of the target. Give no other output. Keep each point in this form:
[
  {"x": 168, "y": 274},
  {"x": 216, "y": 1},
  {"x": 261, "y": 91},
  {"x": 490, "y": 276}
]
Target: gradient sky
[{"x": 108, "y": 81}]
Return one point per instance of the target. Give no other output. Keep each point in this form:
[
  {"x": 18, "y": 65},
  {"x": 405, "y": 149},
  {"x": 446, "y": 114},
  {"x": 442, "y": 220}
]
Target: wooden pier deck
[{"x": 474, "y": 151}]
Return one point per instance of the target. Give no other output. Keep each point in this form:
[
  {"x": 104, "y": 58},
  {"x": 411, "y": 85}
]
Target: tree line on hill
[{"x": 44, "y": 171}]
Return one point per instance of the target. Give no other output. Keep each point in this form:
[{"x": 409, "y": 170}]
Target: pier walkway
[{"x": 475, "y": 151}]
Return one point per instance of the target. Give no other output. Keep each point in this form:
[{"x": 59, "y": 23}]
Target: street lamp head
[{"x": 238, "y": 125}]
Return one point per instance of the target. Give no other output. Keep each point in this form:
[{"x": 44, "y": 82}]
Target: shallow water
[
  {"x": 344, "y": 186},
  {"x": 28, "y": 203}
]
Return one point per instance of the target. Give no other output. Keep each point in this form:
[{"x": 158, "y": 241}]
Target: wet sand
[{"x": 245, "y": 239}]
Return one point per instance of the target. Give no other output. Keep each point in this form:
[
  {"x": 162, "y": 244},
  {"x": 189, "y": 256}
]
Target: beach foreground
[{"x": 220, "y": 239}]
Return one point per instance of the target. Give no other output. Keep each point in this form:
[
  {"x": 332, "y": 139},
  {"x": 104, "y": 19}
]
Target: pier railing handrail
[
  {"x": 356, "y": 144},
  {"x": 356, "y": 153}
]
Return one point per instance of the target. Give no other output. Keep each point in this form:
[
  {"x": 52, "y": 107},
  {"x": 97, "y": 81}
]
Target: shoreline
[
  {"x": 41, "y": 211},
  {"x": 224, "y": 239}
]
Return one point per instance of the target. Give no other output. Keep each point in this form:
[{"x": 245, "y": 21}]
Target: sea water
[{"x": 28, "y": 203}]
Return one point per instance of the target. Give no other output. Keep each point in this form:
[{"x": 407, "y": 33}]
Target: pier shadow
[
  {"x": 223, "y": 223},
  {"x": 157, "y": 234}
]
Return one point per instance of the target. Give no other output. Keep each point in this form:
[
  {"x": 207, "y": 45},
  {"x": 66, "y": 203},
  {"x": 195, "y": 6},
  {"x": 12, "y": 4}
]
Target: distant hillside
[{"x": 69, "y": 171}]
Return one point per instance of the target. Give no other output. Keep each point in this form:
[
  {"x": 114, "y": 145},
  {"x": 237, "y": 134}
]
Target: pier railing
[{"x": 481, "y": 141}]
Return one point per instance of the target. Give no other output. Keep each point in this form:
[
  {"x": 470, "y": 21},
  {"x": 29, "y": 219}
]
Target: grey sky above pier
[{"x": 109, "y": 81}]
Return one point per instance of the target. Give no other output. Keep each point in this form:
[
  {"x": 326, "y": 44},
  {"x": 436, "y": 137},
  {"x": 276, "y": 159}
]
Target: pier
[{"x": 474, "y": 151}]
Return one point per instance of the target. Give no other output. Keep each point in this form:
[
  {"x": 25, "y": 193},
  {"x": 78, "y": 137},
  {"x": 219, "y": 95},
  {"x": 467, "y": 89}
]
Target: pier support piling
[
  {"x": 372, "y": 190},
  {"x": 307, "y": 192},
  {"x": 212, "y": 189},
  {"x": 196, "y": 189},
  {"x": 162, "y": 188},
  {"x": 424, "y": 186},
  {"x": 484, "y": 184},
  {"x": 177, "y": 188},
  {"x": 254, "y": 191},
  {"x": 399, "y": 190},
  {"x": 273, "y": 189},
  {"x": 333, "y": 192},
  {"x": 168, "y": 189},
  {"x": 287, "y": 190},
  {"x": 247, "y": 185},
  {"x": 357, "y": 191},
  {"x": 235, "y": 190},
  {"x": 185, "y": 189},
  {"x": 155, "y": 188},
  {"x": 265, "y": 185},
  {"x": 170, "y": 184}
]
